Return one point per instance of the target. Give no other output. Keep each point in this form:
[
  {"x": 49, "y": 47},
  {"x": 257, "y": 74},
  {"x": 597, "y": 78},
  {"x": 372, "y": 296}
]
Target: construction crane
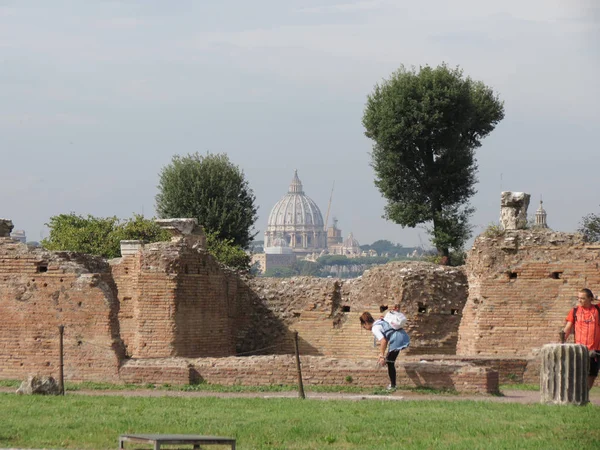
[{"x": 329, "y": 206}]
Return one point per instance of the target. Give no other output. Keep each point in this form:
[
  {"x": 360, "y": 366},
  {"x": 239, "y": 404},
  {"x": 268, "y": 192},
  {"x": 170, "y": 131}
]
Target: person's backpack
[
  {"x": 575, "y": 317},
  {"x": 386, "y": 329},
  {"x": 396, "y": 319}
]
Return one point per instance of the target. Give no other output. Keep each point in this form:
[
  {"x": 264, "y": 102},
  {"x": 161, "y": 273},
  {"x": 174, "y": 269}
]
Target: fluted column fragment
[{"x": 563, "y": 376}]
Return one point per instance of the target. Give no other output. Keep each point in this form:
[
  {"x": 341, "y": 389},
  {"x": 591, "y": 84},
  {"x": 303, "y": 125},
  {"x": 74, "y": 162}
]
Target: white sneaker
[{"x": 390, "y": 388}]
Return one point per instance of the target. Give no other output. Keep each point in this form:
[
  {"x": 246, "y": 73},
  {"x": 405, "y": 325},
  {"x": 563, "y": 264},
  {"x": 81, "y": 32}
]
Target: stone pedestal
[
  {"x": 131, "y": 247},
  {"x": 186, "y": 230},
  {"x": 563, "y": 376}
]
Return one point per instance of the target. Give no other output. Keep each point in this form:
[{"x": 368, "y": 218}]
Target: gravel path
[{"x": 509, "y": 396}]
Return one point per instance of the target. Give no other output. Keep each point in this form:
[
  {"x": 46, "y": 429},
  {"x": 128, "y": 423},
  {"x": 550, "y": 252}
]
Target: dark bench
[{"x": 175, "y": 439}]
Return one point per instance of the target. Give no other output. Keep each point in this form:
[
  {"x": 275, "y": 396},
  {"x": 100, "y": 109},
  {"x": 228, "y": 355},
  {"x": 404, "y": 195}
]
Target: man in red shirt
[{"x": 586, "y": 318}]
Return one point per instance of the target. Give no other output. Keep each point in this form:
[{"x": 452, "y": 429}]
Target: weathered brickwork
[
  {"x": 169, "y": 313},
  {"x": 325, "y": 312},
  {"x": 521, "y": 286},
  {"x": 281, "y": 369},
  {"x": 41, "y": 290},
  {"x": 178, "y": 301}
]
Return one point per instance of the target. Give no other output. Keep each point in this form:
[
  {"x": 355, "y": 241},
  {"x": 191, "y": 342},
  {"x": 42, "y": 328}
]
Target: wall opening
[
  {"x": 422, "y": 308},
  {"x": 512, "y": 275},
  {"x": 42, "y": 268},
  {"x": 345, "y": 308},
  {"x": 454, "y": 312},
  {"x": 556, "y": 275}
]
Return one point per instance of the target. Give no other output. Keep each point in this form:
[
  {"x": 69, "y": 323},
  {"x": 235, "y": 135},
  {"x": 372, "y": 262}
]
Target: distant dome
[
  {"x": 296, "y": 208},
  {"x": 297, "y": 220},
  {"x": 351, "y": 242}
]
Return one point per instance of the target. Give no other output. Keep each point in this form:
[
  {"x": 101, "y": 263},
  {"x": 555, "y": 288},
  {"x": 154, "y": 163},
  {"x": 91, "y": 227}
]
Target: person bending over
[{"x": 391, "y": 342}]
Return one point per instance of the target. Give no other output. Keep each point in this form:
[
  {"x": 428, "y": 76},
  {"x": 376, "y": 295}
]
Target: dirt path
[{"x": 509, "y": 396}]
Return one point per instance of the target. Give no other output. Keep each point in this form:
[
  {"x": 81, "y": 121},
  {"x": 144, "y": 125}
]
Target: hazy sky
[{"x": 97, "y": 96}]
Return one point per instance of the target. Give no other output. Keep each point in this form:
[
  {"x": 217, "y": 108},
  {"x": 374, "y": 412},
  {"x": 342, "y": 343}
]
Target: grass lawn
[{"x": 95, "y": 422}]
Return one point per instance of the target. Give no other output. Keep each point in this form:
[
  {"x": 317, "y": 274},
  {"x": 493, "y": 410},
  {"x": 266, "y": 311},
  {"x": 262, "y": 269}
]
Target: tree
[
  {"x": 425, "y": 128},
  {"x": 383, "y": 246},
  {"x": 100, "y": 236},
  {"x": 590, "y": 228},
  {"x": 214, "y": 191}
]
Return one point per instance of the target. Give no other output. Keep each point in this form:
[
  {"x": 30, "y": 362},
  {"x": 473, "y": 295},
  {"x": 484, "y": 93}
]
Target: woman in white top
[{"x": 386, "y": 335}]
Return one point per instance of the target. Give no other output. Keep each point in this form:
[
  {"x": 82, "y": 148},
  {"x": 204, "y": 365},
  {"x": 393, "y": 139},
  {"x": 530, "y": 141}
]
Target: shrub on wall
[{"x": 99, "y": 235}]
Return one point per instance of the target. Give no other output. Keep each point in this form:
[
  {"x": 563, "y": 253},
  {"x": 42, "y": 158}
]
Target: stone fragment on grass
[{"x": 39, "y": 385}]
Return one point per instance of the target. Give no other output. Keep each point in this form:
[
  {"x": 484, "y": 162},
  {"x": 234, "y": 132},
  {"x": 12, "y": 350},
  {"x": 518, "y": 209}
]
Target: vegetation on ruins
[
  {"x": 590, "y": 228},
  {"x": 93, "y": 422},
  {"x": 493, "y": 230},
  {"x": 226, "y": 252},
  {"x": 99, "y": 235},
  {"x": 426, "y": 126},
  {"x": 211, "y": 189}
]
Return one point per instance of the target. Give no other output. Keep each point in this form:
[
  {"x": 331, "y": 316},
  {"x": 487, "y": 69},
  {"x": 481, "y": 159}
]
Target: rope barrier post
[
  {"x": 300, "y": 385},
  {"x": 61, "y": 381}
]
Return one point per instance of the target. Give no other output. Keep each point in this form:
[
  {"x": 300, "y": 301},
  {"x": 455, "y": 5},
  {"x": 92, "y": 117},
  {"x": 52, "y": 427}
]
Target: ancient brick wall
[
  {"x": 325, "y": 312},
  {"x": 178, "y": 301},
  {"x": 280, "y": 369},
  {"x": 521, "y": 286},
  {"x": 39, "y": 291}
]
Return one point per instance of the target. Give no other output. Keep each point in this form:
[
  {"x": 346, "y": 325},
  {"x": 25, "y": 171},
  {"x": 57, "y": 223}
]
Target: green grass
[
  {"x": 520, "y": 387},
  {"x": 95, "y": 422}
]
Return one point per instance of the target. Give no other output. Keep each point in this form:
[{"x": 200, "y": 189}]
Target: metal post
[
  {"x": 300, "y": 385},
  {"x": 61, "y": 380}
]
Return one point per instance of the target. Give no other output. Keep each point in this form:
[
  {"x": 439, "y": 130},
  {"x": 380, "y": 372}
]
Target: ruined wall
[
  {"x": 178, "y": 301},
  {"x": 521, "y": 286},
  {"x": 41, "y": 290},
  {"x": 281, "y": 369},
  {"x": 325, "y": 312}
]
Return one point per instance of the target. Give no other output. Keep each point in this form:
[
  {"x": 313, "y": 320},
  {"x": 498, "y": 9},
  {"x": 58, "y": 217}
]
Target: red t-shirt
[{"x": 587, "y": 327}]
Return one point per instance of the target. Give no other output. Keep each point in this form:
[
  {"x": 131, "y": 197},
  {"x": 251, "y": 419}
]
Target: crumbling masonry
[{"x": 169, "y": 313}]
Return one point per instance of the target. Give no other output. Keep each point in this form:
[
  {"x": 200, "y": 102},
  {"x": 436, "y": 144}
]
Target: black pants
[{"x": 391, "y": 365}]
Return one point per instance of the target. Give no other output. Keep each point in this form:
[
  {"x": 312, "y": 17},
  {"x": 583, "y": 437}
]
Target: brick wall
[
  {"x": 174, "y": 300},
  {"x": 281, "y": 369},
  {"x": 178, "y": 301},
  {"x": 41, "y": 290},
  {"x": 521, "y": 286},
  {"x": 325, "y": 312}
]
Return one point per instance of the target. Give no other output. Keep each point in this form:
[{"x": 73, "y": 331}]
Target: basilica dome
[{"x": 297, "y": 219}]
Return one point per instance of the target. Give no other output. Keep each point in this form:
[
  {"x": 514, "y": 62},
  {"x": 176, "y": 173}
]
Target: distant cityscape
[{"x": 296, "y": 231}]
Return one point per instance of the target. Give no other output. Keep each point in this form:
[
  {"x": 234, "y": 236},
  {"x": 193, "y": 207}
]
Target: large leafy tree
[
  {"x": 426, "y": 126},
  {"x": 214, "y": 191}
]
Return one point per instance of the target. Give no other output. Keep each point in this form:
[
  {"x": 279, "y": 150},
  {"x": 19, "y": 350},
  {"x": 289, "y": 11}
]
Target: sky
[{"x": 96, "y": 97}]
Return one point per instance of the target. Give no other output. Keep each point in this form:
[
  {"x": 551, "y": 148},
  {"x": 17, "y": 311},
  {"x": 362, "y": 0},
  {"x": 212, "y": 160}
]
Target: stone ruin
[
  {"x": 167, "y": 312},
  {"x": 513, "y": 210},
  {"x": 6, "y": 226}
]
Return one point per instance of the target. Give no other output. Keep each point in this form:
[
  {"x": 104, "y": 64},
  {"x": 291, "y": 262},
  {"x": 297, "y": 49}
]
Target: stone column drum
[{"x": 563, "y": 375}]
